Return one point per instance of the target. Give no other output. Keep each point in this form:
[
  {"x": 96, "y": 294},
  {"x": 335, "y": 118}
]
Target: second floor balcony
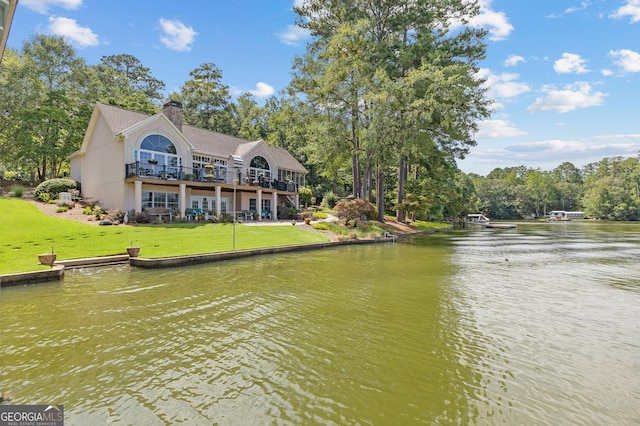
[{"x": 188, "y": 174}]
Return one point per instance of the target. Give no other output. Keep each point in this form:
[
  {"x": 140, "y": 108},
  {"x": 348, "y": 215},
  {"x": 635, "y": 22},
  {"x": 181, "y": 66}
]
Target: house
[{"x": 132, "y": 162}]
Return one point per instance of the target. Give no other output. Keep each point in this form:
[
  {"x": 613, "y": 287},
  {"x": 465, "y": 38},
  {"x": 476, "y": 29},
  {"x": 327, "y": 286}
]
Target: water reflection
[
  {"x": 559, "y": 339},
  {"x": 536, "y": 325}
]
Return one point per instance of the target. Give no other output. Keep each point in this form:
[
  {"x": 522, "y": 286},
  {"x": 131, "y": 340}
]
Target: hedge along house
[{"x": 131, "y": 161}]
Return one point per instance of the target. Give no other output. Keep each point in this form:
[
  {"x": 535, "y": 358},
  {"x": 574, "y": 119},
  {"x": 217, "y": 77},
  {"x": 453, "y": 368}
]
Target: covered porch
[{"x": 188, "y": 199}]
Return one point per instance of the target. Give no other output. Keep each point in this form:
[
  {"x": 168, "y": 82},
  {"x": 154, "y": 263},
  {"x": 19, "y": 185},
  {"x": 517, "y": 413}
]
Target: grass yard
[{"x": 26, "y": 232}]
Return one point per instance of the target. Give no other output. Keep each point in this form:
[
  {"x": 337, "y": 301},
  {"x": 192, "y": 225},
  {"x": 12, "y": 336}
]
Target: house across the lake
[{"x": 134, "y": 162}]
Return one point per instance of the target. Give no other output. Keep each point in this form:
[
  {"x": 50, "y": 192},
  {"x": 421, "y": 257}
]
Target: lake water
[{"x": 531, "y": 326}]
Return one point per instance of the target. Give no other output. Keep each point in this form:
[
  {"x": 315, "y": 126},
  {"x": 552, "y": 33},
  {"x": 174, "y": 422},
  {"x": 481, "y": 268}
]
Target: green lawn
[
  {"x": 26, "y": 232},
  {"x": 421, "y": 225}
]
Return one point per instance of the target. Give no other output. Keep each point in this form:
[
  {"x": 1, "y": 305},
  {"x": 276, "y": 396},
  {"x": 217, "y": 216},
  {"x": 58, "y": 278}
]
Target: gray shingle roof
[{"x": 205, "y": 141}]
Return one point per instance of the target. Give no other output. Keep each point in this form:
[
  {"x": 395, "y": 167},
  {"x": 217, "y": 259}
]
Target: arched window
[
  {"x": 158, "y": 143},
  {"x": 259, "y": 167},
  {"x": 259, "y": 163},
  {"x": 159, "y": 150}
]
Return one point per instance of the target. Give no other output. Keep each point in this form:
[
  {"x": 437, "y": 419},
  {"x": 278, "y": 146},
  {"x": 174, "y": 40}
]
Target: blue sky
[{"x": 565, "y": 74}]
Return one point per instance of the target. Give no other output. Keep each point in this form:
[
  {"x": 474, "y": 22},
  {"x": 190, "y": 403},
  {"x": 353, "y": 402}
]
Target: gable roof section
[
  {"x": 212, "y": 143},
  {"x": 119, "y": 119},
  {"x": 203, "y": 141},
  {"x": 286, "y": 160}
]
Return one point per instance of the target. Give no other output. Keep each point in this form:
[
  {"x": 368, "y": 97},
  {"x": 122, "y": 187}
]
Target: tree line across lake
[{"x": 608, "y": 189}]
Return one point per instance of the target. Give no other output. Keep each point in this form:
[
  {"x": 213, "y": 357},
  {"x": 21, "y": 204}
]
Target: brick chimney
[{"x": 173, "y": 111}]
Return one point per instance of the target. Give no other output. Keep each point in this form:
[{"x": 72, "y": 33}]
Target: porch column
[
  {"x": 259, "y": 204},
  {"x": 183, "y": 199},
  {"x": 218, "y": 201},
  {"x": 297, "y": 200},
  {"x": 137, "y": 196},
  {"x": 274, "y": 205}
]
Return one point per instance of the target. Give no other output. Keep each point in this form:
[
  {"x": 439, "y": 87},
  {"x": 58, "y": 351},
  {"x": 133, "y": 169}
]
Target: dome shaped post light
[{"x": 237, "y": 163}]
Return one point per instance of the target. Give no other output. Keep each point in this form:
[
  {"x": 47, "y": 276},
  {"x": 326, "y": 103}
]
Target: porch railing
[{"x": 180, "y": 173}]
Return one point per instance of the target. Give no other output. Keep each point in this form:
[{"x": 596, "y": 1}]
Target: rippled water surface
[{"x": 535, "y": 325}]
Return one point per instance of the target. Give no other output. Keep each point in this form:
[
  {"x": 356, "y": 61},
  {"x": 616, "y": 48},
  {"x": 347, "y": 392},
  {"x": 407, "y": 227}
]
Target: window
[
  {"x": 161, "y": 150},
  {"x": 199, "y": 161},
  {"x": 167, "y": 200},
  {"x": 289, "y": 176},
  {"x": 257, "y": 167},
  {"x": 158, "y": 143},
  {"x": 204, "y": 203},
  {"x": 259, "y": 163}
]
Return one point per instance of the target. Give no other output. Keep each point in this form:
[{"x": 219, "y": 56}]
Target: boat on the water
[
  {"x": 482, "y": 220},
  {"x": 477, "y": 218},
  {"x": 563, "y": 216}
]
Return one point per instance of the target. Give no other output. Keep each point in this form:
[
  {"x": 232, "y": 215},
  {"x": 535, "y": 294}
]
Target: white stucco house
[{"x": 131, "y": 161}]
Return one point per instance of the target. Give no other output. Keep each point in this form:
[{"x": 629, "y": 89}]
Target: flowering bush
[{"x": 357, "y": 209}]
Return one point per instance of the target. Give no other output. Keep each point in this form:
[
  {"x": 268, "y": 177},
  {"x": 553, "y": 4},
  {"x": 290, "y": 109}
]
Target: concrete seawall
[
  {"x": 167, "y": 262},
  {"x": 57, "y": 271}
]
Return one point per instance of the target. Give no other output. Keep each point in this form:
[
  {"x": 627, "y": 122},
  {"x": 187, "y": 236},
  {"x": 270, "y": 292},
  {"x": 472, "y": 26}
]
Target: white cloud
[
  {"x": 293, "y": 35},
  {"x": 570, "y": 62},
  {"x": 572, "y": 9},
  {"x": 627, "y": 59},
  {"x": 606, "y": 73},
  {"x": 589, "y": 150},
  {"x": 513, "y": 60},
  {"x": 262, "y": 90},
  {"x": 496, "y": 23},
  {"x": 632, "y": 9},
  {"x": 573, "y": 96},
  {"x": 503, "y": 85},
  {"x": 177, "y": 36},
  {"x": 549, "y": 154},
  {"x": 235, "y": 91},
  {"x": 69, "y": 28},
  {"x": 42, "y": 6},
  {"x": 498, "y": 129}
]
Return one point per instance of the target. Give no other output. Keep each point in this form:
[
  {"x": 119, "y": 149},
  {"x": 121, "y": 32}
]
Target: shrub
[
  {"x": 115, "y": 216},
  {"x": 141, "y": 217},
  {"x": 55, "y": 186},
  {"x": 226, "y": 218},
  {"x": 62, "y": 209},
  {"x": 306, "y": 195},
  {"x": 320, "y": 215},
  {"x": 98, "y": 212},
  {"x": 18, "y": 176},
  {"x": 87, "y": 210},
  {"x": 17, "y": 191},
  {"x": 320, "y": 226},
  {"x": 357, "y": 209},
  {"x": 45, "y": 197},
  {"x": 330, "y": 200}
]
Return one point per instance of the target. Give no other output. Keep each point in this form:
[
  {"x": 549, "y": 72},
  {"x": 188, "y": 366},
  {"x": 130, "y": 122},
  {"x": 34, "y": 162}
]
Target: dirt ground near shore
[{"x": 74, "y": 213}]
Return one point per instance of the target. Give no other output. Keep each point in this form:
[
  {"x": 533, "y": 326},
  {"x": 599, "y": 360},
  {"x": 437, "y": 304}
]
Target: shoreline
[
  {"x": 395, "y": 232},
  {"x": 56, "y": 272}
]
